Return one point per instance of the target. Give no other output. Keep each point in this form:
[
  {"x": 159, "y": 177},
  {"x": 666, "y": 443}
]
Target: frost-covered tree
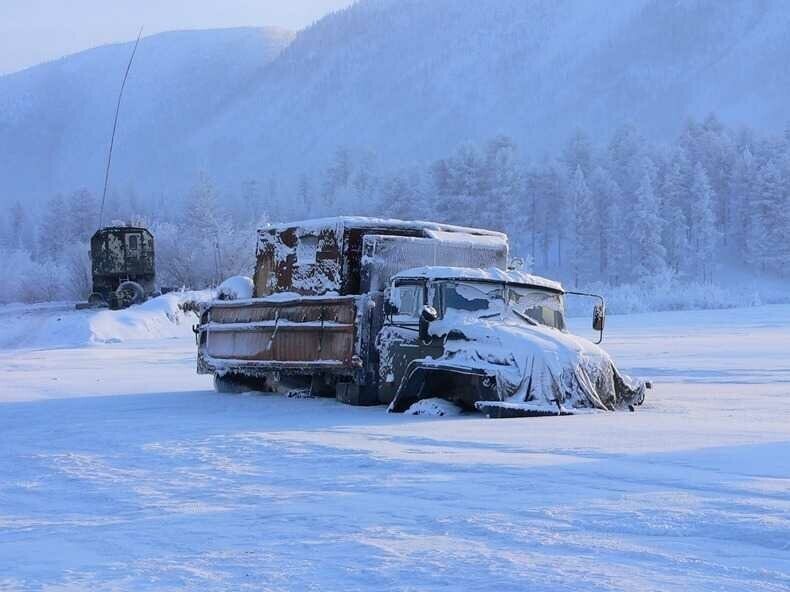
[
  {"x": 763, "y": 221},
  {"x": 336, "y": 179},
  {"x": 674, "y": 197},
  {"x": 625, "y": 154},
  {"x": 304, "y": 193},
  {"x": 578, "y": 153},
  {"x": 83, "y": 216},
  {"x": 781, "y": 229},
  {"x": 646, "y": 251},
  {"x": 53, "y": 233},
  {"x": 252, "y": 205},
  {"x": 703, "y": 227},
  {"x": 741, "y": 187},
  {"x": 398, "y": 197},
  {"x": 585, "y": 232},
  {"x": 612, "y": 241},
  {"x": 501, "y": 185},
  {"x": 459, "y": 187},
  {"x": 193, "y": 244},
  {"x": 16, "y": 230}
]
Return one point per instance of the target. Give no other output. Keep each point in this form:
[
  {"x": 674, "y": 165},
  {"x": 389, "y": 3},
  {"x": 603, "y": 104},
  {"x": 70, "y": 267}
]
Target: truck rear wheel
[{"x": 129, "y": 293}]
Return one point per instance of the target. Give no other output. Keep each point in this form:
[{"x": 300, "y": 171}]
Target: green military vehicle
[
  {"x": 396, "y": 313},
  {"x": 122, "y": 267}
]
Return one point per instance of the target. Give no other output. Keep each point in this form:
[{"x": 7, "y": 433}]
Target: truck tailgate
[{"x": 299, "y": 333}]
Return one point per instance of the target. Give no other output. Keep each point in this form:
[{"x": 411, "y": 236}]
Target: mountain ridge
[{"x": 405, "y": 82}]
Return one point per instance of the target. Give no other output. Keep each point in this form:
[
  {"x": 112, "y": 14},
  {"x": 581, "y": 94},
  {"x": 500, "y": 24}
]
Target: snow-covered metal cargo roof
[
  {"x": 492, "y": 274},
  {"x": 374, "y": 223}
]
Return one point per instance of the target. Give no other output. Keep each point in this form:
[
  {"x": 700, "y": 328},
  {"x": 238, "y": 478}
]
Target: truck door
[
  {"x": 134, "y": 245},
  {"x": 399, "y": 342}
]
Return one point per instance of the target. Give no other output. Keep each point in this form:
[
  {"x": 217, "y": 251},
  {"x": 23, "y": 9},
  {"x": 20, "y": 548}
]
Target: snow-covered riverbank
[{"x": 121, "y": 469}]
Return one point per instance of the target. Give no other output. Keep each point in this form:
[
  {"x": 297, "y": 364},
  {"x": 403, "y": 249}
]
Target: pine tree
[
  {"x": 305, "y": 192},
  {"x": 781, "y": 230},
  {"x": 397, "y": 197},
  {"x": 336, "y": 179},
  {"x": 742, "y": 183},
  {"x": 502, "y": 185},
  {"x": 15, "y": 227},
  {"x": 646, "y": 251},
  {"x": 459, "y": 182},
  {"x": 53, "y": 230},
  {"x": 534, "y": 216},
  {"x": 626, "y": 158},
  {"x": 585, "y": 231},
  {"x": 83, "y": 215},
  {"x": 612, "y": 239},
  {"x": 251, "y": 202},
  {"x": 674, "y": 194},
  {"x": 704, "y": 231},
  {"x": 763, "y": 204},
  {"x": 578, "y": 153}
]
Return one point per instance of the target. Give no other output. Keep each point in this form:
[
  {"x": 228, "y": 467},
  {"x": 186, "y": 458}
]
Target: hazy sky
[{"x": 33, "y": 31}]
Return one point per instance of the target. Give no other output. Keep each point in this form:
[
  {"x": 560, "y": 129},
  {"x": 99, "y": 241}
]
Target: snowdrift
[{"x": 54, "y": 325}]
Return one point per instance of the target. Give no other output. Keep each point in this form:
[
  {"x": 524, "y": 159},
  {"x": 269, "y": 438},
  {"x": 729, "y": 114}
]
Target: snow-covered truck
[{"x": 388, "y": 312}]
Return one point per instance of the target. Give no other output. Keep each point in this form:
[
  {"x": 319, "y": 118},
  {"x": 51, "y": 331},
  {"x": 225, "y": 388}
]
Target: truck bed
[{"x": 269, "y": 334}]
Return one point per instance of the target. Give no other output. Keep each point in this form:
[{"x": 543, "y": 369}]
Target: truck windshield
[
  {"x": 542, "y": 306},
  {"x": 486, "y": 300}
]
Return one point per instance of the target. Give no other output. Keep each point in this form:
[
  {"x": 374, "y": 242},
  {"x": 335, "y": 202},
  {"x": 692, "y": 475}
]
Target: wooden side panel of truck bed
[{"x": 304, "y": 333}]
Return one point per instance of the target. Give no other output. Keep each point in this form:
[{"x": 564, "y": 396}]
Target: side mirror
[
  {"x": 427, "y": 316},
  {"x": 599, "y": 317},
  {"x": 390, "y": 309}
]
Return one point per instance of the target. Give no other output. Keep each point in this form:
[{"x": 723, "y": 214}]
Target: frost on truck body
[
  {"x": 329, "y": 255},
  {"x": 347, "y": 305}
]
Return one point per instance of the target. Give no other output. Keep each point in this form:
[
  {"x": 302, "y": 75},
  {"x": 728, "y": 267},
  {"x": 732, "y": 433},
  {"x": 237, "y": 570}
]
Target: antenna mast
[{"x": 115, "y": 126}]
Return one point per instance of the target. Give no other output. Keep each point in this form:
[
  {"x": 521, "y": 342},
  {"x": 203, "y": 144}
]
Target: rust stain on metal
[{"x": 310, "y": 331}]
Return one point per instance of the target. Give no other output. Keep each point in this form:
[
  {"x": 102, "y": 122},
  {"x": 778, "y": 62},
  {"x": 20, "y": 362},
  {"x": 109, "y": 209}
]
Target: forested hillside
[{"x": 627, "y": 212}]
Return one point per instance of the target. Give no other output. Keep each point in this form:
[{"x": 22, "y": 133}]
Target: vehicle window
[
  {"x": 409, "y": 300},
  {"x": 481, "y": 299},
  {"x": 133, "y": 242},
  {"x": 306, "y": 250},
  {"x": 546, "y": 308}
]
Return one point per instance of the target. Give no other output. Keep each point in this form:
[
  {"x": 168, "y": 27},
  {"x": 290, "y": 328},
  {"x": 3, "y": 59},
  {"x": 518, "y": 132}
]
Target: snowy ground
[{"x": 120, "y": 469}]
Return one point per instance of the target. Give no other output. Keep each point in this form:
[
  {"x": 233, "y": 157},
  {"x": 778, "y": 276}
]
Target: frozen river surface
[{"x": 120, "y": 469}]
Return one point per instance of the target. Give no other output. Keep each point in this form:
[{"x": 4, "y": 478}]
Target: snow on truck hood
[{"x": 536, "y": 365}]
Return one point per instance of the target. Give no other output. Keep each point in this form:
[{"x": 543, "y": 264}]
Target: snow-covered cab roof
[{"x": 492, "y": 274}]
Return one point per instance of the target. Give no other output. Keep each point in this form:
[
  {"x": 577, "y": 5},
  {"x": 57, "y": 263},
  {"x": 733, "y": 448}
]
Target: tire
[{"x": 129, "y": 293}]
